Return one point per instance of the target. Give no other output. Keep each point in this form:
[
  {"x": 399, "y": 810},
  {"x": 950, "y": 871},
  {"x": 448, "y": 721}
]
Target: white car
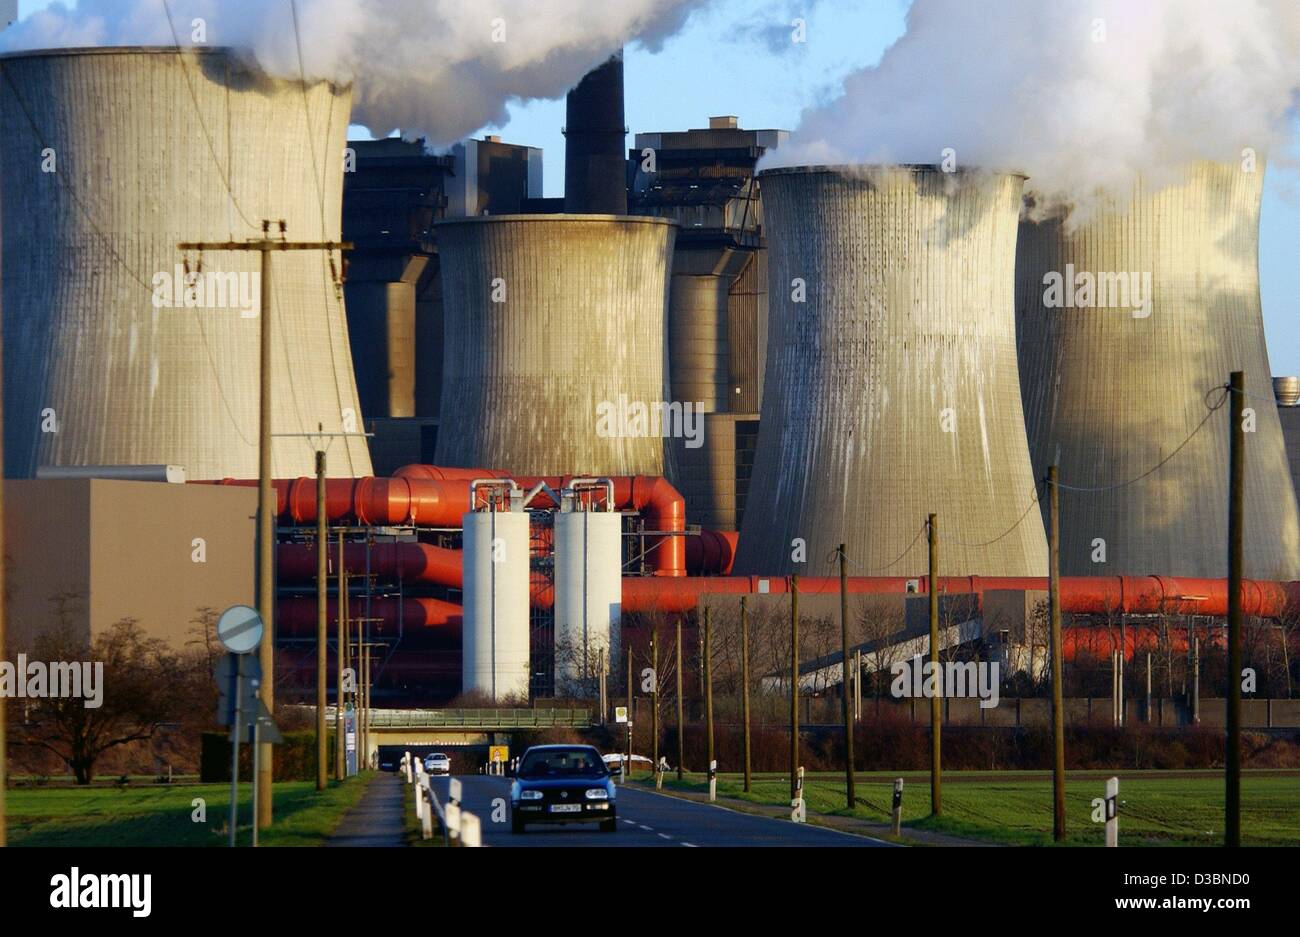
[{"x": 438, "y": 763}]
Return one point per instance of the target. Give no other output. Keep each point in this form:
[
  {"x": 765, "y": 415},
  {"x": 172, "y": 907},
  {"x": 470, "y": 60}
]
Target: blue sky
[{"x": 725, "y": 62}]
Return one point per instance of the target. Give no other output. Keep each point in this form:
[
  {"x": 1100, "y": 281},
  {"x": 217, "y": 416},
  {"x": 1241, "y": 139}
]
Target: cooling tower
[
  {"x": 554, "y": 351},
  {"x": 1118, "y": 377},
  {"x": 891, "y": 388},
  {"x": 114, "y": 353}
]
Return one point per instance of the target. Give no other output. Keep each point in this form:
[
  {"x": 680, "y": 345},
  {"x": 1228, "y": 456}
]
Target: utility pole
[
  {"x": 654, "y": 701},
  {"x": 322, "y": 633},
  {"x": 708, "y": 692},
  {"x": 844, "y": 682},
  {"x": 265, "y": 246},
  {"x": 627, "y": 775},
  {"x": 340, "y": 655},
  {"x": 744, "y": 685},
  {"x": 1236, "y": 538},
  {"x": 936, "y": 779},
  {"x": 1058, "y": 675},
  {"x": 681, "y": 745},
  {"x": 794, "y": 686}
]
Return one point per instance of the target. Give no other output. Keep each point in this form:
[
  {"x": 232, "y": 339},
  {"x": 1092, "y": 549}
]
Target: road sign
[
  {"x": 620, "y": 714},
  {"x": 239, "y": 629},
  {"x": 238, "y": 677},
  {"x": 498, "y": 754}
]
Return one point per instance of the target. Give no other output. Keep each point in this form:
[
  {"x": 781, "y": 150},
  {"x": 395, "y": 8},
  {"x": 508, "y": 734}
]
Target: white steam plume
[
  {"x": 438, "y": 68},
  {"x": 1079, "y": 96}
]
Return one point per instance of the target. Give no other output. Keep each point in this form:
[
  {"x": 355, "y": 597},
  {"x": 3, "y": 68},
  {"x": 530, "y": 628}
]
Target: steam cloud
[
  {"x": 1079, "y": 96},
  {"x": 436, "y": 68}
]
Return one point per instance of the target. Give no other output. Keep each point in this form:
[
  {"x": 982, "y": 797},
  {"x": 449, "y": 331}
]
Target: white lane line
[
  {"x": 648, "y": 829},
  {"x": 664, "y": 836},
  {"x": 691, "y": 845}
]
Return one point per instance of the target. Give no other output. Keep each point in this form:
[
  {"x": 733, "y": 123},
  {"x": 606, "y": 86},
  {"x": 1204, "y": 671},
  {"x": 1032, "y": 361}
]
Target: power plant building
[
  {"x": 704, "y": 180},
  {"x": 1130, "y": 322},
  {"x": 890, "y": 389},
  {"x": 119, "y": 348}
]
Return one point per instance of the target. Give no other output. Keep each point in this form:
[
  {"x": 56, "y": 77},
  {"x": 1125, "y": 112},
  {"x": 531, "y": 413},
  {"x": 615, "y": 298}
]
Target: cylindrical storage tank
[
  {"x": 1130, "y": 321},
  {"x": 1287, "y": 391},
  {"x": 554, "y": 337},
  {"x": 891, "y": 390},
  {"x": 109, "y": 159},
  {"x": 495, "y": 631},
  {"x": 588, "y": 596},
  {"x": 697, "y": 329}
]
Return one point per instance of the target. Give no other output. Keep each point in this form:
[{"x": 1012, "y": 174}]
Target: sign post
[{"x": 239, "y": 629}]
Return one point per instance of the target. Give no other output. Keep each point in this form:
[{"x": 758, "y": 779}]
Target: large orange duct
[
  {"x": 421, "y": 618},
  {"x": 433, "y": 496}
]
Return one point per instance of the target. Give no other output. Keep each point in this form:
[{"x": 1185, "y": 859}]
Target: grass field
[
  {"x": 1156, "y": 808},
  {"x": 166, "y": 815}
]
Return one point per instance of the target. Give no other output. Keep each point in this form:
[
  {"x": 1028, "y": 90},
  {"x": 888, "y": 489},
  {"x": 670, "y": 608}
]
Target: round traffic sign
[{"x": 239, "y": 629}]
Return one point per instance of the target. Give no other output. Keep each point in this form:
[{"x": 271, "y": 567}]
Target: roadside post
[
  {"x": 350, "y": 735},
  {"x": 240, "y": 630},
  {"x": 713, "y": 780},
  {"x": 1112, "y": 811},
  {"x": 621, "y": 716},
  {"x": 897, "y": 820},
  {"x": 471, "y": 833},
  {"x": 798, "y": 812}
]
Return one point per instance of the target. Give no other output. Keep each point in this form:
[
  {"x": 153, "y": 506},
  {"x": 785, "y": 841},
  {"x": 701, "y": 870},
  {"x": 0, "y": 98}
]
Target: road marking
[
  {"x": 691, "y": 845},
  {"x": 648, "y": 829},
  {"x": 664, "y": 836}
]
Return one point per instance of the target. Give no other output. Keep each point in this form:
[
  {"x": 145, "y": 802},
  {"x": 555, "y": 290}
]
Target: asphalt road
[{"x": 645, "y": 819}]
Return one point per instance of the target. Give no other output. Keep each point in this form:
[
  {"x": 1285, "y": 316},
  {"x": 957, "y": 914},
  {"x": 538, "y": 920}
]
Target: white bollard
[
  {"x": 1112, "y": 811},
  {"x": 471, "y": 834},
  {"x": 451, "y": 815},
  {"x": 713, "y": 780},
  {"x": 419, "y": 803}
]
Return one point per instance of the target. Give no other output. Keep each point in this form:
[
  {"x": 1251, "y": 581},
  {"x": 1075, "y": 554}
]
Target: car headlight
[
  {"x": 530, "y": 795},
  {"x": 597, "y": 793}
]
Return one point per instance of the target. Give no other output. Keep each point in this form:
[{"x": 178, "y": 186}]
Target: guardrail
[
  {"x": 459, "y": 827},
  {"x": 476, "y": 718}
]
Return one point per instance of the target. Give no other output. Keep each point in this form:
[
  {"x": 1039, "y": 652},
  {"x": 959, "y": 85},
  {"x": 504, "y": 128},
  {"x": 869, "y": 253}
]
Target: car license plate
[{"x": 566, "y": 808}]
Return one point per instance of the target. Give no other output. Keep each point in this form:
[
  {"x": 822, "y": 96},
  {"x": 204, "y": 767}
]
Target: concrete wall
[
  {"x": 1290, "y": 420},
  {"x": 109, "y": 550}
]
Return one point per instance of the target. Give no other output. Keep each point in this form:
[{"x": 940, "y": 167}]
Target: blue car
[{"x": 562, "y": 784}]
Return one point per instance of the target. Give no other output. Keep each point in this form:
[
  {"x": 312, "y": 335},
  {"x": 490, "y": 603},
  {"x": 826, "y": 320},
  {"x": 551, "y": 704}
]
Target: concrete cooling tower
[
  {"x": 554, "y": 352},
  {"x": 891, "y": 387},
  {"x": 114, "y": 352},
  {"x": 1129, "y": 321}
]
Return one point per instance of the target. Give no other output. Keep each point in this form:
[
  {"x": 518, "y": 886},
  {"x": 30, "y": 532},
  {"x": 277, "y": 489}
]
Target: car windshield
[
  {"x": 564, "y": 763},
  {"x": 438, "y": 756}
]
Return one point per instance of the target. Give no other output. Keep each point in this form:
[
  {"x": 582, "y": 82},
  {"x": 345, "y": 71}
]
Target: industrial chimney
[
  {"x": 115, "y": 352},
  {"x": 891, "y": 390},
  {"x": 1130, "y": 323},
  {"x": 595, "y": 168}
]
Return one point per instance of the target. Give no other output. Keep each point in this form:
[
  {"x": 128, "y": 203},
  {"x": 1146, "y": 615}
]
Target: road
[{"x": 645, "y": 818}]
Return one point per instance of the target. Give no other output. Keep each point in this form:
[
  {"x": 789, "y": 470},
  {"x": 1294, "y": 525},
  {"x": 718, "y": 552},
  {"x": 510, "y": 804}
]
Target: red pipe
[
  {"x": 711, "y": 553},
  {"x": 434, "y": 619},
  {"x": 433, "y": 496}
]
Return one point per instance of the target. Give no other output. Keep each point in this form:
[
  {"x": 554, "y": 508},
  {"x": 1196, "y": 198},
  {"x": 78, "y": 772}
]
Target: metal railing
[{"x": 479, "y": 718}]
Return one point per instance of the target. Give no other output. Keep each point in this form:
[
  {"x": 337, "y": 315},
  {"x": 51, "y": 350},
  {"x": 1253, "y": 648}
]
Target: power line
[{"x": 1155, "y": 468}]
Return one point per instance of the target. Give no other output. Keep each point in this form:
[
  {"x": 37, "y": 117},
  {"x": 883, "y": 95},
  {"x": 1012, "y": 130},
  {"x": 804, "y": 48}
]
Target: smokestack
[{"x": 595, "y": 173}]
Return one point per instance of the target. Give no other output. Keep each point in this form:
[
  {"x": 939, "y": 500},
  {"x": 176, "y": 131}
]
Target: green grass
[
  {"x": 165, "y": 815},
  {"x": 1154, "y": 810}
]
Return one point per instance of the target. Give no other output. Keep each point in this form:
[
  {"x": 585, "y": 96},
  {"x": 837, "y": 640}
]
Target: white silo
[
  {"x": 116, "y": 353},
  {"x": 495, "y": 633},
  {"x": 588, "y": 594}
]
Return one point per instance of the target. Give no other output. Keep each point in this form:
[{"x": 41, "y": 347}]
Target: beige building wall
[{"x": 108, "y": 550}]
